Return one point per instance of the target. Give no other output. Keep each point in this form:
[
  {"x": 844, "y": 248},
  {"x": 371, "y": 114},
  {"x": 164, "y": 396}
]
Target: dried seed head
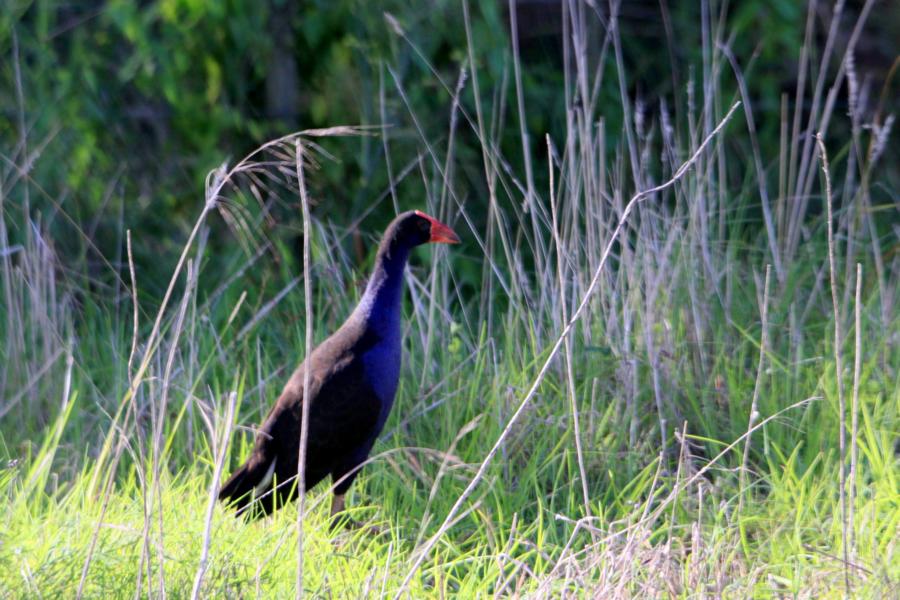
[{"x": 881, "y": 136}]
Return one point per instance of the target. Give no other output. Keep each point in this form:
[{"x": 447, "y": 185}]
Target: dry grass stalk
[
  {"x": 768, "y": 219},
  {"x": 854, "y": 411},
  {"x": 839, "y": 367},
  {"x": 304, "y": 417},
  {"x": 220, "y": 446},
  {"x": 423, "y": 552},
  {"x": 754, "y": 410},
  {"x": 570, "y": 369}
]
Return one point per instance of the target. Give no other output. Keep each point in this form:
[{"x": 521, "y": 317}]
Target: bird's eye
[{"x": 424, "y": 226}]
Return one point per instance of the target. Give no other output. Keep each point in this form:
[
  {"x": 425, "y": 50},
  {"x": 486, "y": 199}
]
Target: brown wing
[{"x": 343, "y": 417}]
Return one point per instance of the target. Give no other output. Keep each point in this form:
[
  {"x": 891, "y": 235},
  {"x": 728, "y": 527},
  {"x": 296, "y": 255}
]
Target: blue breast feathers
[
  {"x": 379, "y": 314},
  {"x": 381, "y": 364}
]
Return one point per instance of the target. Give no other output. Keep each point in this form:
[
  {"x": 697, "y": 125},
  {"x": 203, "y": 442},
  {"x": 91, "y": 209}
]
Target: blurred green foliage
[{"x": 134, "y": 102}]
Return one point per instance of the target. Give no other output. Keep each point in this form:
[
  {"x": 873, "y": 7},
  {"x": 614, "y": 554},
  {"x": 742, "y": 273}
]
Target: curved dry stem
[{"x": 595, "y": 280}]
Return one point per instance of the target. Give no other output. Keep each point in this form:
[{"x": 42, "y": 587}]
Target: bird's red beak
[{"x": 440, "y": 233}]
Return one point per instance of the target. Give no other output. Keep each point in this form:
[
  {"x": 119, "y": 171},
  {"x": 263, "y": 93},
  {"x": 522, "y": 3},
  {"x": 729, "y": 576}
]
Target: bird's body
[{"x": 353, "y": 378}]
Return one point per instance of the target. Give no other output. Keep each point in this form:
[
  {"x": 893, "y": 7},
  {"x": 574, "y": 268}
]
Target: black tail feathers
[{"x": 250, "y": 485}]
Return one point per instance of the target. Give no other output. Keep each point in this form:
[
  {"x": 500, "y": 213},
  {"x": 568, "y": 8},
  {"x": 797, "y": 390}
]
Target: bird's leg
[
  {"x": 337, "y": 507},
  {"x": 337, "y": 504}
]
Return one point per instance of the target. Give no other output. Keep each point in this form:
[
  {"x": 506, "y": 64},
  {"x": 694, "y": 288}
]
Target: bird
[{"x": 353, "y": 378}]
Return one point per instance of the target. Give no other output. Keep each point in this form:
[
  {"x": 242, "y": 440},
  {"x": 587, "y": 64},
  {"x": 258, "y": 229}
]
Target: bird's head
[{"x": 415, "y": 228}]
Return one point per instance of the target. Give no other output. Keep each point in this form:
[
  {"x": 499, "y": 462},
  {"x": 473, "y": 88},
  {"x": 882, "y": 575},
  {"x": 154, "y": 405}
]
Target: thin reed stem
[
  {"x": 838, "y": 364},
  {"x": 754, "y": 407},
  {"x": 220, "y": 444},
  {"x": 422, "y": 553},
  {"x": 304, "y": 416},
  {"x": 854, "y": 411},
  {"x": 570, "y": 369}
]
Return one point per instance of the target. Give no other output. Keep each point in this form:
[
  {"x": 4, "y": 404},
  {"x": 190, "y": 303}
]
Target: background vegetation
[{"x": 722, "y": 420}]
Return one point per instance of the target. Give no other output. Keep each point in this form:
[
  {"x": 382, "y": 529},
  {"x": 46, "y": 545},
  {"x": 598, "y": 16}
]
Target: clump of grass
[{"x": 635, "y": 404}]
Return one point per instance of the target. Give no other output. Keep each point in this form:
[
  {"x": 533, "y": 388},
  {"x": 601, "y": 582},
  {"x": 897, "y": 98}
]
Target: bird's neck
[{"x": 379, "y": 308}]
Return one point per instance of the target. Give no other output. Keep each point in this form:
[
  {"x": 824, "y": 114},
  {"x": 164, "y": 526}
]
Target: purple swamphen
[{"x": 353, "y": 379}]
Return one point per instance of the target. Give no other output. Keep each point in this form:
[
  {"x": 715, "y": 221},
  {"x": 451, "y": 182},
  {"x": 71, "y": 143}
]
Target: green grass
[
  {"x": 518, "y": 530},
  {"x": 785, "y": 541},
  {"x": 111, "y": 442}
]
